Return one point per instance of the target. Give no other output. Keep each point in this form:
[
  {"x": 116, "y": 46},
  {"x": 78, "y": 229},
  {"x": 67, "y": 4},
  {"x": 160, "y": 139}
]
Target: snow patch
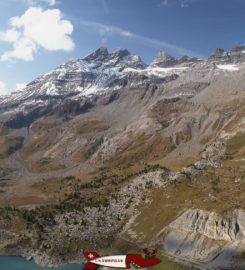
[
  {"x": 157, "y": 71},
  {"x": 228, "y": 67}
]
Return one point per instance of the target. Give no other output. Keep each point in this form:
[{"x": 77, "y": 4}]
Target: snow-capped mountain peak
[
  {"x": 101, "y": 72},
  {"x": 100, "y": 54},
  {"x": 92, "y": 74}
]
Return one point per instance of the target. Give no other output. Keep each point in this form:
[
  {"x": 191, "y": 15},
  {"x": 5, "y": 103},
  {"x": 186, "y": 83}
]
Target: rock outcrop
[
  {"x": 212, "y": 225},
  {"x": 164, "y": 60},
  {"x": 207, "y": 237}
]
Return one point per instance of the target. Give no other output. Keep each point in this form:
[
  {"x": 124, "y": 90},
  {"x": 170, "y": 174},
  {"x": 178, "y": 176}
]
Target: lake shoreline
[
  {"x": 41, "y": 259},
  {"x": 18, "y": 263}
]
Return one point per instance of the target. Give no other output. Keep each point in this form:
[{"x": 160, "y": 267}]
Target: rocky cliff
[{"x": 207, "y": 237}]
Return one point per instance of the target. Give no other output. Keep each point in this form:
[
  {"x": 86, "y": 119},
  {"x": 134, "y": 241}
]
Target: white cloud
[
  {"x": 20, "y": 86},
  {"x": 104, "y": 30},
  {"x": 10, "y": 35},
  {"x": 126, "y": 34},
  {"x": 35, "y": 29},
  {"x": 3, "y": 89}
]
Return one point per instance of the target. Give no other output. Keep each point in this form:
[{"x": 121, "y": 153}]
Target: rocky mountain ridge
[{"x": 101, "y": 71}]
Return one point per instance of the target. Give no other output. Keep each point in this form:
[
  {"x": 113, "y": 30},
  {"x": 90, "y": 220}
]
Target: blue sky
[{"x": 38, "y": 35}]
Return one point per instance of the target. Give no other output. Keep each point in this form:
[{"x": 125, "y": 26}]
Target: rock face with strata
[
  {"x": 207, "y": 237},
  {"x": 212, "y": 225}
]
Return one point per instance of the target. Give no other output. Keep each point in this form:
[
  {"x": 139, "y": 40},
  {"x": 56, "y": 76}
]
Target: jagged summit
[
  {"x": 119, "y": 54},
  {"x": 187, "y": 59},
  {"x": 98, "y": 72},
  {"x": 120, "y": 57},
  {"x": 100, "y": 54},
  {"x": 163, "y": 60},
  {"x": 102, "y": 71},
  {"x": 218, "y": 54},
  {"x": 124, "y": 58},
  {"x": 232, "y": 56}
]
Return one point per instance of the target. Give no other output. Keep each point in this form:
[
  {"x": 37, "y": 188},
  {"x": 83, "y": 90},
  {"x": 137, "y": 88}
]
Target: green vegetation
[{"x": 214, "y": 189}]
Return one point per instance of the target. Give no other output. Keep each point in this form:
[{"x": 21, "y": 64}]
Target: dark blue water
[{"x": 18, "y": 263}]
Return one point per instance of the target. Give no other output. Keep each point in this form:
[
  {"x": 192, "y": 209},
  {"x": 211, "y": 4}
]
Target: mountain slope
[{"x": 111, "y": 125}]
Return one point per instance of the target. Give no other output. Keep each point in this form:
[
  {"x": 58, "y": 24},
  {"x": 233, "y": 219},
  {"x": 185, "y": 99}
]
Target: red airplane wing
[{"x": 139, "y": 261}]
